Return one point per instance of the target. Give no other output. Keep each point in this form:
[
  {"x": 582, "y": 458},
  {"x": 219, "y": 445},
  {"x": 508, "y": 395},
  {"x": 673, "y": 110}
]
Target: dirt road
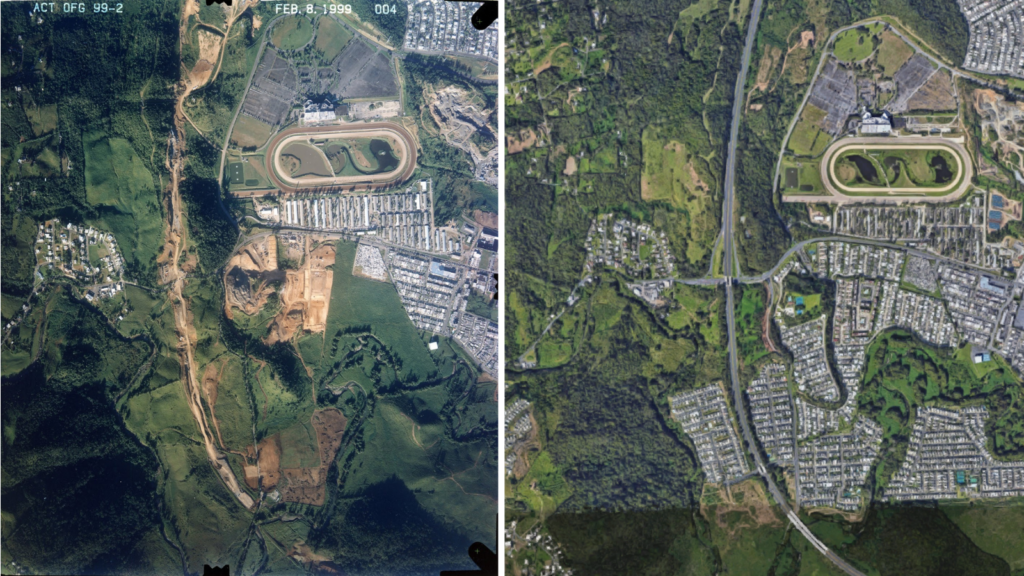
[{"x": 175, "y": 240}]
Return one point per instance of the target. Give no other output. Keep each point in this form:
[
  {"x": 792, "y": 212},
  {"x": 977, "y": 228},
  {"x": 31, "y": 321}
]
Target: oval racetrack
[{"x": 405, "y": 144}]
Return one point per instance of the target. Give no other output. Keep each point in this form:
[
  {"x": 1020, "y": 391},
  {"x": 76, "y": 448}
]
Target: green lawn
[
  {"x": 857, "y": 44},
  {"x": 808, "y": 139}
]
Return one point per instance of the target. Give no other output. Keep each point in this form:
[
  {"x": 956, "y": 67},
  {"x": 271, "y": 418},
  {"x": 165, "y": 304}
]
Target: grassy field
[
  {"x": 359, "y": 301},
  {"x": 250, "y": 132},
  {"x": 672, "y": 175},
  {"x": 292, "y": 33},
  {"x": 751, "y": 312},
  {"x": 857, "y": 44},
  {"x": 117, "y": 181},
  {"x": 808, "y": 139},
  {"x": 331, "y": 38},
  {"x": 893, "y": 53},
  {"x": 996, "y": 529},
  {"x": 42, "y": 118}
]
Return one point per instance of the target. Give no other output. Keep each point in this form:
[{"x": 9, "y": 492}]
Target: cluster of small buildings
[
  {"x": 947, "y": 458},
  {"x": 771, "y": 408},
  {"x": 832, "y": 469},
  {"x": 404, "y": 218},
  {"x": 440, "y": 26},
  {"x": 997, "y": 36},
  {"x": 478, "y": 336},
  {"x": 517, "y": 427},
  {"x": 705, "y": 418},
  {"x": 846, "y": 259},
  {"x": 530, "y": 544},
  {"x": 954, "y": 232},
  {"x": 975, "y": 301},
  {"x": 810, "y": 369},
  {"x": 370, "y": 263},
  {"x": 430, "y": 289},
  {"x": 314, "y": 113},
  {"x": 70, "y": 249},
  {"x": 634, "y": 248}
]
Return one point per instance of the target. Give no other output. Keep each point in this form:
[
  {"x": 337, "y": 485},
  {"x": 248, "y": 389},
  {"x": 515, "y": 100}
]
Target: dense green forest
[
  {"x": 49, "y": 72},
  {"x": 649, "y": 68},
  {"x": 64, "y": 444}
]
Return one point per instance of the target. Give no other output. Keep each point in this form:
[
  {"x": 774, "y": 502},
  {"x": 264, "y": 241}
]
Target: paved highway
[{"x": 728, "y": 258}]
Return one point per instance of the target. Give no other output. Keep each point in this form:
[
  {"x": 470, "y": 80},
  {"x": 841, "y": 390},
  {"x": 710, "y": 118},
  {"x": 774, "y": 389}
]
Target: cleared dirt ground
[
  {"x": 305, "y": 485},
  {"x": 250, "y": 264},
  {"x": 306, "y": 295}
]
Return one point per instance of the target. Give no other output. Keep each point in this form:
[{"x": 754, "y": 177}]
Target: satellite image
[
  {"x": 764, "y": 276},
  {"x": 249, "y": 305}
]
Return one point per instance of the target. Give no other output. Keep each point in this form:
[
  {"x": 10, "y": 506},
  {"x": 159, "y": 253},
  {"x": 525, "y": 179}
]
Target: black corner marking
[
  {"x": 484, "y": 16},
  {"x": 482, "y": 556},
  {"x": 207, "y": 569},
  {"x": 496, "y": 286},
  {"x": 210, "y": 2}
]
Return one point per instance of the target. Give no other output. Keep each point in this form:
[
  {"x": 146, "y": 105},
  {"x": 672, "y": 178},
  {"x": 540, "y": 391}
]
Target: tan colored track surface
[
  {"x": 844, "y": 194},
  {"x": 406, "y": 166}
]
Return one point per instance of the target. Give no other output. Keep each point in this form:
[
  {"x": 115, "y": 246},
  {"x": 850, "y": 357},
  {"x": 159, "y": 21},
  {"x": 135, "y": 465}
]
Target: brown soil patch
[
  {"x": 209, "y": 51},
  {"x": 211, "y": 378},
  {"x": 527, "y": 138},
  {"x": 936, "y": 95},
  {"x": 756, "y": 107},
  {"x": 546, "y": 62},
  {"x": 315, "y": 563},
  {"x": 764, "y": 71},
  {"x": 747, "y": 497},
  {"x": 256, "y": 22},
  {"x": 570, "y": 166},
  {"x": 806, "y": 38},
  {"x": 270, "y": 462},
  {"x": 250, "y": 262},
  {"x": 486, "y": 219},
  {"x": 306, "y": 296}
]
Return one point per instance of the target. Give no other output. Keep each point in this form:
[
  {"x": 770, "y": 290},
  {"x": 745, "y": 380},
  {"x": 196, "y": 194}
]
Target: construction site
[
  {"x": 306, "y": 294},
  {"x": 458, "y": 120}
]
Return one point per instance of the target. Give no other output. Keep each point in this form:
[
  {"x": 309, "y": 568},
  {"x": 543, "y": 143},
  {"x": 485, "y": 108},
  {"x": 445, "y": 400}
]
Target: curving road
[{"x": 354, "y": 183}]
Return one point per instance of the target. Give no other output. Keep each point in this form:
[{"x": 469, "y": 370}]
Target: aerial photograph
[
  {"x": 763, "y": 287},
  {"x": 249, "y": 295}
]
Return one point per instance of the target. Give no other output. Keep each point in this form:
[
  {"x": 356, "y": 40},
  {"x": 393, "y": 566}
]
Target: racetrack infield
[
  {"x": 406, "y": 145},
  {"x": 841, "y": 194}
]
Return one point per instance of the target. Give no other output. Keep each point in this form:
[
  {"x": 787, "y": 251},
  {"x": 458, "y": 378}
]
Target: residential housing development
[
  {"x": 635, "y": 248},
  {"x": 997, "y": 36},
  {"x": 947, "y": 458},
  {"x": 704, "y": 415},
  {"x": 440, "y": 26}
]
